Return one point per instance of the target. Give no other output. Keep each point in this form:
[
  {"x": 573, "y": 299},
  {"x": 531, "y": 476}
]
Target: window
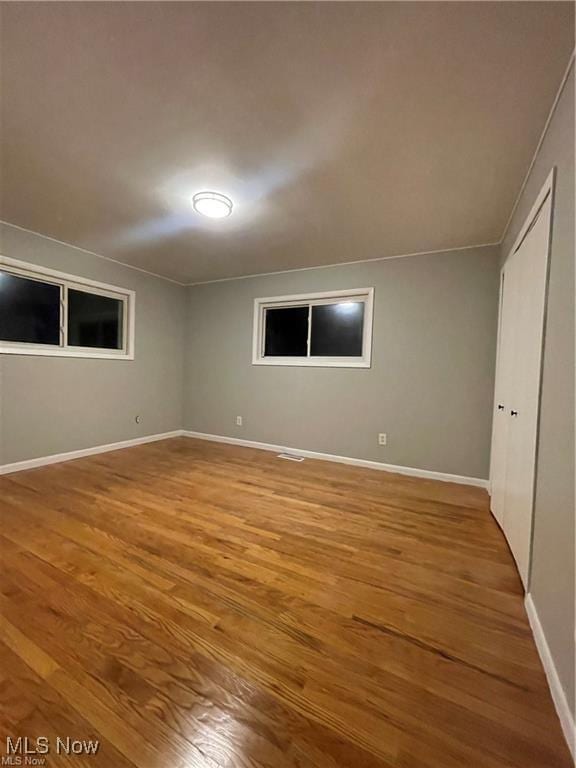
[
  {"x": 44, "y": 312},
  {"x": 29, "y": 310},
  {"x": 317, "y": 329},
  {"x": 94, "y": 320},
  {"x": 286, "y": 332}
]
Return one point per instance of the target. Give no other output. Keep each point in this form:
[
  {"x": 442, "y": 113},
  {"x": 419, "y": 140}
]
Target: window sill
[
  {"x": 57, "y": 352},
  {"x": 313, "y": 363}
]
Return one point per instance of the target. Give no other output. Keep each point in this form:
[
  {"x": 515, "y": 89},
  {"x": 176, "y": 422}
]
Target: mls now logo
[{"x": 25, "y": 751}]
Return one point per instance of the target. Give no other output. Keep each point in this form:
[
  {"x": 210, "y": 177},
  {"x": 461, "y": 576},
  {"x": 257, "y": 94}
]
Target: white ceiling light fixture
[{"x": 214, "y": 205}]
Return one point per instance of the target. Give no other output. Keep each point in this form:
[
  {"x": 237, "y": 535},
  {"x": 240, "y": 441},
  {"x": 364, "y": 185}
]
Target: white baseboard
[
  {"x": 411, "y": 471},
  {"x": 56, "y": 458},
  {"x": 558, "y": 695}
]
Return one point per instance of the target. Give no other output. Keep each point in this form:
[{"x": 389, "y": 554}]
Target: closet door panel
[
  {"x": 503, "y": 390},
  {"x": 529, "y": 273}
]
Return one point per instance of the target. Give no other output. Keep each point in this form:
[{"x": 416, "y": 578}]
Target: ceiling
[{"x": 342, "y": 131}]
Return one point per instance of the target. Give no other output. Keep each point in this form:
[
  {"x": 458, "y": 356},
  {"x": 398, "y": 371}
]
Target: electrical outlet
[
  {"x": 382, "y": 438},
  {"x": 238, "y": 421}
]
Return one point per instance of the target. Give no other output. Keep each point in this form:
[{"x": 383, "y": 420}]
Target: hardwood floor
[{"x": 191, "y": 604}]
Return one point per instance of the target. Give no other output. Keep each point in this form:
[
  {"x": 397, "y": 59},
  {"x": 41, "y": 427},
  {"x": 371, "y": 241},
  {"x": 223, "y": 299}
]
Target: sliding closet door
[{"x": 529, "y": 272}]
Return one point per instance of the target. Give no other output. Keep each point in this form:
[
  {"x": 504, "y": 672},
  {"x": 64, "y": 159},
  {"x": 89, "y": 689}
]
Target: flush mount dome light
[{"x": 212, "y": 204}]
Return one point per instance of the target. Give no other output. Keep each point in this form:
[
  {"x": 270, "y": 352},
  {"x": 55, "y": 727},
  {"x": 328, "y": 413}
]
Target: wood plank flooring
[{"x": 196, "y": 605}]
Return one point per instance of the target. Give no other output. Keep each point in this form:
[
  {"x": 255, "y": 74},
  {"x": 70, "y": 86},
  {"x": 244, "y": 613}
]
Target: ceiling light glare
[
  {"x": 214, "y": 205},
  {"x": 348, "y": 307}
]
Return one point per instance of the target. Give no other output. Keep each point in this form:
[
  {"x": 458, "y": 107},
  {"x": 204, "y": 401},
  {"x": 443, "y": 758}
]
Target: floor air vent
[{"x": 290, "y": 457}]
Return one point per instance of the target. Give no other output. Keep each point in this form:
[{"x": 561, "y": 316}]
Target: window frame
[
  {"x": 313, "y": 299},
  {"x": 66, "y": 282}
]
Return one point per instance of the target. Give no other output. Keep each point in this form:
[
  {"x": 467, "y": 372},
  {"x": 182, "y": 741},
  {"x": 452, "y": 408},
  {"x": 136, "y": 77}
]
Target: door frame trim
[{"x": 547, "y": 187}]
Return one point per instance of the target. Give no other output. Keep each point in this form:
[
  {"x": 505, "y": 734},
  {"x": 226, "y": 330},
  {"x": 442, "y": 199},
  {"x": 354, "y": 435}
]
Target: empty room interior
[{"x": 287, "y": 393}]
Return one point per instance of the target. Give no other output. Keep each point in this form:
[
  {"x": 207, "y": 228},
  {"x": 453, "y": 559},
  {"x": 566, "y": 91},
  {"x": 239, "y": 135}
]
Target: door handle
[
  {"x": 513, "y": 413},
  {"x": 500, "y": 407}
]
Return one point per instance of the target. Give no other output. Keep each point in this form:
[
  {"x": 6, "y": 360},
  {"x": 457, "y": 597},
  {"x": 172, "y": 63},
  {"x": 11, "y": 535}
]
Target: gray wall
[
  {"x": 552, "y": 578},
  {"x": 430, "y": 387},
  {"x": 57, "y": 404}
]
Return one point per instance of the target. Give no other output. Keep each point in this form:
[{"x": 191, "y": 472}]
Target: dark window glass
[
  {"x": 94, "y": 321},
  {"x": 286, "y": 332},
  {"x": 337, "y": 329},
  {"x": 29, "y": 310}
]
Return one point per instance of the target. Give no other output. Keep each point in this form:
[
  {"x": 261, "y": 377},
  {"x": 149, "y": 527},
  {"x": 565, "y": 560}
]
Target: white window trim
[
  {"x": 305, "y": 299},
  {"x": 66, "y": 281}
]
